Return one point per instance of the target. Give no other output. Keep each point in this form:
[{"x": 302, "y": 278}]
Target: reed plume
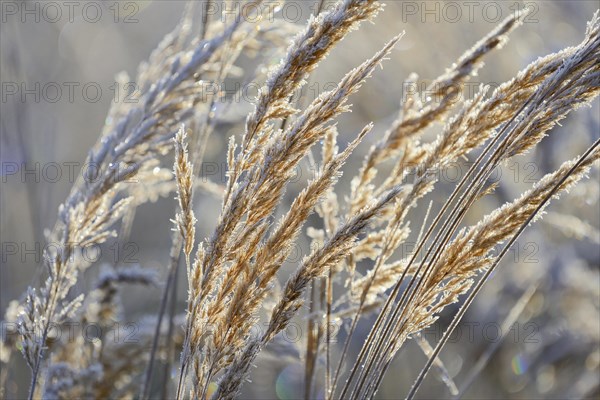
[{"x": 238, "y": 276}]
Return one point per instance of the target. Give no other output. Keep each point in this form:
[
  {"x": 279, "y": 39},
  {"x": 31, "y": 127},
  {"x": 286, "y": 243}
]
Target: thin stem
[
  {"x": 310, "y": 341},
  {"x": 182, "y": 373},
  {"x": 510, "y": 319},
  {"x": 36, "y": 370},
  {"x": 175, "y": 254},
  {"x": 328, "y": 330},
  {"x": 169, "y": 340},
  {"x": 205, "y": 20}
]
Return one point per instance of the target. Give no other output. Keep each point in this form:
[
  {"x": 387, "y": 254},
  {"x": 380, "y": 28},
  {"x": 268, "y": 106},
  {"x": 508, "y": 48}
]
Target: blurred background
[{"x": 58, "y": 81}]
